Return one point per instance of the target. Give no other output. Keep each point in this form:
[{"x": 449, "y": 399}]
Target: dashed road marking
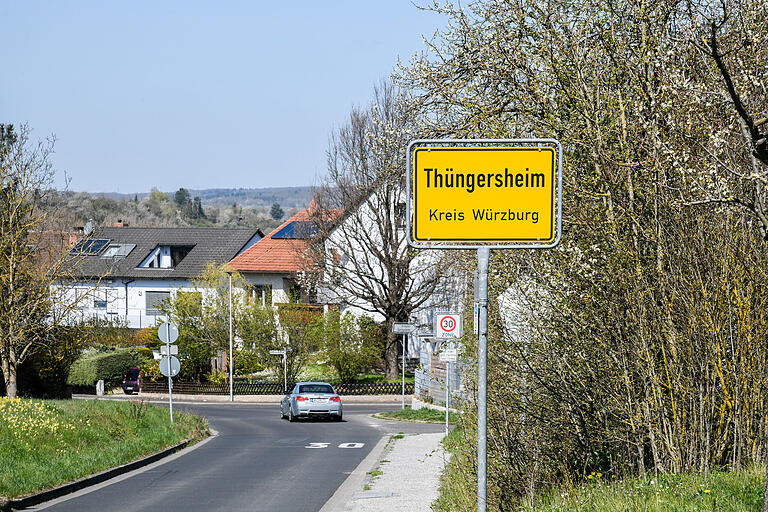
[{"x": 342, "y": 445}]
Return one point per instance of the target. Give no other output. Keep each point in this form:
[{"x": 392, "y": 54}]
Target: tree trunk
[
  {"x": 9, "y": 377},
  {"x": 391, "y": 353},
  {"x": 10, "y": 383}
]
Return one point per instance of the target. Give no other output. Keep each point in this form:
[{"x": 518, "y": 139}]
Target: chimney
[{"x": 120, "y": 224}]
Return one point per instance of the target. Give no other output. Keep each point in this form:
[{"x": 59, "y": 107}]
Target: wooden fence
[{"x": 271, "y": 388}]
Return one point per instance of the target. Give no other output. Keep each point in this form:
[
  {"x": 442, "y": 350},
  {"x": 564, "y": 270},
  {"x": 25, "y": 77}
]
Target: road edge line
[{"x": 355, "y": 481}]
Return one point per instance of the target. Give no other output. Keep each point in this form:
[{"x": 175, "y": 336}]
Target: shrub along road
[{"x": 257, "y": 462}]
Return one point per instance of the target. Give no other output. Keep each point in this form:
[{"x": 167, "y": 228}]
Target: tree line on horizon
[{"x": 159, "y": 209}]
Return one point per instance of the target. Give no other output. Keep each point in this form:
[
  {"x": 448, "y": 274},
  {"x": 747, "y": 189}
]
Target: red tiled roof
[{"x": 274, "y": 254}]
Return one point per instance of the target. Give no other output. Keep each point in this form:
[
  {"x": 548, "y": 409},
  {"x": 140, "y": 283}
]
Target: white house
[
  {"x": 358, "y": 244},
  {"x": 274, "y": 265},
  {"x": 127, "y": 272}
]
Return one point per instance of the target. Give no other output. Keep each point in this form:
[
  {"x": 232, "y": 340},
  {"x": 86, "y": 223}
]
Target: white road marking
[
  {"x": 342, "y": 445},
  {"x": 351, "y": 445}
]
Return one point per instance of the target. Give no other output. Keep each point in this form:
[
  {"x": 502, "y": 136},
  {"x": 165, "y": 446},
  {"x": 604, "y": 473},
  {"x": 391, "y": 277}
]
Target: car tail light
[
  {"x": 335, "y": 399},
  {"x": 301, "y": 398}
]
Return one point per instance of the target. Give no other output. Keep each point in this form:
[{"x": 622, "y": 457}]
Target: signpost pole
[
  {"x": 447, "y": 392},
  {"x": 402, "y": 405},
  {"x": 170, "y": 380},
  {"x": 285, "y": 369},
  {"x": 483, "y": 255}
]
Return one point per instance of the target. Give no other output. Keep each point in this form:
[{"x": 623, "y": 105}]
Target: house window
[
  {"x": 155, "y": 301},
  {"x": 99, "y": 304},
  {"x": 114, "y": 251},
  {"x": 262, "y": 294},
  {"x": 166, "y": 256}
]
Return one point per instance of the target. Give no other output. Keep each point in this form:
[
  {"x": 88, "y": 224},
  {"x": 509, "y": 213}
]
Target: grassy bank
[
  {"x": 721, "y": 491},
  {"x": 47, "y": 443},
  {"x": 425, "y": 415},
  {"x": 718, "y": 491}
]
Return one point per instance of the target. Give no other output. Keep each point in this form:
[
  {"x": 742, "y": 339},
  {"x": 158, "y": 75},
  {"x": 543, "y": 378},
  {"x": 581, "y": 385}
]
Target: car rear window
[
  {"x": 315, "y": 388},
  {"x": 132, "y": 374}
]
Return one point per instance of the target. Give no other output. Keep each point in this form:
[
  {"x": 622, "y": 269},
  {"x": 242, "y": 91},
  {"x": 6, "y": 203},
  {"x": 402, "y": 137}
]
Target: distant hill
[{"x": 287, "y": 197}]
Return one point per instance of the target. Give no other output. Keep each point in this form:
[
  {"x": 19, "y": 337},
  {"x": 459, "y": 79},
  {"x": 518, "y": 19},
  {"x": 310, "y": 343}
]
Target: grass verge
[
  {"x": 740, "y": 491},
  {"x": 718, "y": 491},
  {"x": 425, "y": 415},
  {"x": 47, "y": 443}
]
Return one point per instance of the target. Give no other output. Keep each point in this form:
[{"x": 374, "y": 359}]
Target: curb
[
  {"x": 417, "y": 404},
  {"x": 76, "y": 485}
]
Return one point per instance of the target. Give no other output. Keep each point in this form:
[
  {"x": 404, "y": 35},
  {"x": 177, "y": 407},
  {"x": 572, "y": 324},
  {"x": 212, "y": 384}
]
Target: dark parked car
[
  {"x": 310, "y": 399},
  {"x": 132, "y": 381}
]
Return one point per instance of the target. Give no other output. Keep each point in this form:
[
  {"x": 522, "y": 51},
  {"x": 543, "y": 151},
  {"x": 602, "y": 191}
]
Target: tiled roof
[
  {"x": 218, "y": 245},
  {"x": 278, "y": 255}
]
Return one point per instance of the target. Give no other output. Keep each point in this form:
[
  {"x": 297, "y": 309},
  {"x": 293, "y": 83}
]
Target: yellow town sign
[{"x": 503, "y": 195}]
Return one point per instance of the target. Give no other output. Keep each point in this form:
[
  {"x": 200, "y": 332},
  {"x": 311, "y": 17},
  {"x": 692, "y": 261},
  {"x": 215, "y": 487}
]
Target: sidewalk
[{"x": 410, "y": 468}]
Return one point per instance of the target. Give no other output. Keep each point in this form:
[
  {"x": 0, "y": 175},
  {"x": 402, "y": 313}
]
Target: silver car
[{"x": 309, "y": 399}]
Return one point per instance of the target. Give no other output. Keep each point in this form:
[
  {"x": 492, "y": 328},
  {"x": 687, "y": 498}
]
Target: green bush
[
  {"x": 43, "y": 374},
  {"x": 109, "y": 366},
  {"x": 217, "y": 377}
]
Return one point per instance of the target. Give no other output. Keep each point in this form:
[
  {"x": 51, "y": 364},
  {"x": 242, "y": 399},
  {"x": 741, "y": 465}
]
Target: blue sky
[{"x": 196, "y": 94}]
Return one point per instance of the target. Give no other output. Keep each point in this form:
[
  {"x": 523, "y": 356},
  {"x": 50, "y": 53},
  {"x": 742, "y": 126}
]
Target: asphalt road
[{"x": 257, "y": 462}]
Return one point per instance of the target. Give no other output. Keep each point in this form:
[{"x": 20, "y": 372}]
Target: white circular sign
[
  {"x": 170, "y": 366},
  {"x": 168, "y": 332},
  {"x": 448, "y": 323}
]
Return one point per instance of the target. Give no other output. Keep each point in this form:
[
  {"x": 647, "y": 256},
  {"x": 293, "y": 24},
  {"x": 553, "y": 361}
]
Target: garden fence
[{"x": 271, "y": 388}]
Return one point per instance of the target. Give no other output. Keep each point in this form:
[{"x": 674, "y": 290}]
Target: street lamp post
[{"x": 231, "y": 369}]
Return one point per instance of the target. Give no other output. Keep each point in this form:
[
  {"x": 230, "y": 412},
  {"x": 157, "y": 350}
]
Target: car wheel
[
  {"x": 337, "y": 418},
  {"x": 291, "y": 417}
]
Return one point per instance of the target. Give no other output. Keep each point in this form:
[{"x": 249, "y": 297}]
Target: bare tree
[
  {"x": 363, "y": 255},
  {"x": 34, "y": 252}
]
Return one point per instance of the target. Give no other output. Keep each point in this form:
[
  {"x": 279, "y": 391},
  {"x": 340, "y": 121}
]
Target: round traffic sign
[
  {"x": 168, "y": 332},
  {"x": 170, "y": 366},
  {"x": 448, "y": 323}
]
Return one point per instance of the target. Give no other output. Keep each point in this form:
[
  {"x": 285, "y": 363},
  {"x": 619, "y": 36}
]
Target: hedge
[{"x": 109, "y": 366}]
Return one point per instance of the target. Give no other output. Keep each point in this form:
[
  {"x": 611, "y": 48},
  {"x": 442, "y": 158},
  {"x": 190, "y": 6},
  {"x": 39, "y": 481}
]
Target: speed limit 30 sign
[{"x": 447, "y": 325}]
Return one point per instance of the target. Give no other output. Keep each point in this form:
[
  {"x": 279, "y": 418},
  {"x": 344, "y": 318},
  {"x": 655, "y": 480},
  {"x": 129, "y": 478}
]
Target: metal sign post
[
  {"x": 283, "y": 353},
  {"x": 402, "y": 404},
  {"x": 448, "y": 355},
  {"x": 404, "y": 328},
  {"x": 168, "y": 332},
  {"x": 483, "y": 255},
  {"x": 170, "y": 379},
  {"x": 483, "y": 194},
  {"x": 447, "y": 393}
]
